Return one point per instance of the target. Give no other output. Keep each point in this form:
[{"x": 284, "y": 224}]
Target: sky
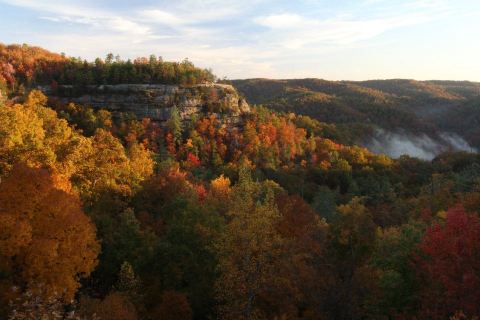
[{"x": 335, "y": 40}]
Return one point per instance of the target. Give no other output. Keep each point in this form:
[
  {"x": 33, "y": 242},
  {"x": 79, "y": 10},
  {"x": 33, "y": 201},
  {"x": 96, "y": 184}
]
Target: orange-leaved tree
[{"x": 47, "y": 244}]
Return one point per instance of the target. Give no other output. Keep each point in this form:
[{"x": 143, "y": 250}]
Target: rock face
[{"x": 155, "y": 101}]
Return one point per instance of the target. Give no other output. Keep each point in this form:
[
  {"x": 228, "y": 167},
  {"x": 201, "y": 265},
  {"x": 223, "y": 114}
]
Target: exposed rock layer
[{"x": 155, "y": 101}]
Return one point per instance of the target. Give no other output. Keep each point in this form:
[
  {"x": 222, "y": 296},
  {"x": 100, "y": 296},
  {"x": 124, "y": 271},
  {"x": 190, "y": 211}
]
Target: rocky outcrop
[{"x": 155, "y": 101}]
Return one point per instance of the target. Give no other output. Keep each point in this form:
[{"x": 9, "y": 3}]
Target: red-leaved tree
[{"x": 449, "y": 263}]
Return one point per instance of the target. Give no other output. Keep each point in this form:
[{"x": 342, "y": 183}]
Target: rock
[{"x": 156, "y": 100}]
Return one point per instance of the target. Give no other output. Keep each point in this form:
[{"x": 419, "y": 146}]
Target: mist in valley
[{"x": 396, "y": 144}]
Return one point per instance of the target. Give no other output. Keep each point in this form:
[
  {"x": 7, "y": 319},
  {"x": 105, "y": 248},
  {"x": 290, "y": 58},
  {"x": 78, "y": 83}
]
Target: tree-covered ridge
[
  {"x": 393, "y": 90},
  {"x": 398, "y": 105},
  {"x": 20, "y": 63},
  {"x": 268, "y": 219},
  {"x": 24, "y": 66}
]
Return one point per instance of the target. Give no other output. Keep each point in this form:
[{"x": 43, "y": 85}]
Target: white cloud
[
  {"x": 94, "y": 17},
  {"x": 162, "y": 17},
  {"x": 281, "y": 21},
  {"x": 293, "y": 31},
  {"x": 127, "y": 26},
  {"x": 212, "y": 10}
]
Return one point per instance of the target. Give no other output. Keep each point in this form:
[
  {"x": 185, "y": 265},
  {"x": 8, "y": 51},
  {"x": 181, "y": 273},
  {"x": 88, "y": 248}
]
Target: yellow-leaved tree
[
  {"x": 249, "y": 249},
  {"x": 33, "y": 133}
]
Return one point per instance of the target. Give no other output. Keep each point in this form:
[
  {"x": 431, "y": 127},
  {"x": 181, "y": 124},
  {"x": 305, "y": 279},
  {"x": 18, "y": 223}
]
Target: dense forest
[
  {"x": 26, "y": 66},
  {"x": 105, "y": 216},
  {"x": 411, "y": 108}
]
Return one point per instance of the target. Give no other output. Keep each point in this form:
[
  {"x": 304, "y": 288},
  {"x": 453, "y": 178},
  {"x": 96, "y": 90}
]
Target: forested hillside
[
  {"x": 26, "y": 66},
  {"x": 417, "y": 112},
  {"x": 274, "y": 216}
]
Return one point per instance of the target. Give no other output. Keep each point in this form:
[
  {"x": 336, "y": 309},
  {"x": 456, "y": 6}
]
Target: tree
[
  {"x": 103, "y": 165},
  {"x": 46, "y": 240},
  {"x": 21, "y": 137},
  {"x": 109, "y": 58},
  {"x": 36, "y": 99},
  {"x": 393, "y": 257},
  {"x": 32, "y": 133},
  {"x": 127, "y": 280},
  {"x": 174, "y": 125},
  {"x": 173, "y": 306},
  {"x": 3, "y": 91},
  {"x": 248, "y": 250},
  {"x": 302, "y": 280},
  {"x": 184, "y": 260},
  {"x": 449, "y": 264},
  {"x": 324, "y": 202},
  {"x": 129, "y": 284},
  {"x": 141, "y": 163},
  {"x": 123, "y": 239},
  {"x": 352, "y": 239},
  {"x": 116, "y": 306},
  {"x": 219, "y": 194}
]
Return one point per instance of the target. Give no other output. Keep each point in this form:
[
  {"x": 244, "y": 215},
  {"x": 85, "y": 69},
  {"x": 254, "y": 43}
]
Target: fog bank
[{"x": 395, "y": 144}]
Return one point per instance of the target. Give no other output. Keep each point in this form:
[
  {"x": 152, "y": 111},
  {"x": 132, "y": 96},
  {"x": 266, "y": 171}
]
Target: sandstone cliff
[{"x": 155, "y": 101}]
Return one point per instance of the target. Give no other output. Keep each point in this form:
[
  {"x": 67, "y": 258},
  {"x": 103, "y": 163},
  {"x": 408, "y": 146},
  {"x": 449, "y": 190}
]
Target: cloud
[
  {"x": 281, "y": 21},
  {"x": 127, "y": 26},
  {"x": 91, "y": 16},
  {"x": 161, "y": 17},
  {"x": 195, "y": 11},
  {"x": 294, "y": 31}
]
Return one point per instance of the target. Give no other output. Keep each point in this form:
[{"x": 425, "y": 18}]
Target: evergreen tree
[{"x": 174, "y": 125}]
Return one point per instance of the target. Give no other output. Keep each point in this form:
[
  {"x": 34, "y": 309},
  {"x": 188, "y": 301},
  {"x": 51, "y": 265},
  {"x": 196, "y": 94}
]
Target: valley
[{"x": 388, "y": 116}]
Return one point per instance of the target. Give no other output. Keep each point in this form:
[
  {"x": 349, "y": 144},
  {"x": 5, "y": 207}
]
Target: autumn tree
[
  {"x": 352, "y": 239},
  {"x": 173, "y": 306},
  {"x": 304, "y": 235},
  {"x": 103, "y": 164},
  {"x": 449, "y": 263},
  {"x": 248, "y": 250},
  {"x": 116, "y": 306},
  {"x": 141, "y": 163},
  {"x": 21, "y": 137},
  {"x": 47, "y": 241},
  {"x": 219, "y": 194}
]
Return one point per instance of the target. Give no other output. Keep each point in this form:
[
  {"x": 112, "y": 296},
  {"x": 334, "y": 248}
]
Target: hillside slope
[{"x": 379, "y": 113}]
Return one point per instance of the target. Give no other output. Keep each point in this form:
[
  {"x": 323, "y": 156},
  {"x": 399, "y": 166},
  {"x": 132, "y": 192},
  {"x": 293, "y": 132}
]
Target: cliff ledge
[{"x": 155, "y": 101}]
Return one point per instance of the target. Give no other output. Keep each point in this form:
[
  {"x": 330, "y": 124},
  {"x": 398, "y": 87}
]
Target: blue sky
[{"x": 337, "y": 40}]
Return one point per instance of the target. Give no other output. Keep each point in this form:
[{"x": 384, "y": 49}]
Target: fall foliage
[
  {"x": 271, "y": 215},
  {"x": 47, "y": 242},
  {"x": 448, "y": 262}
]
